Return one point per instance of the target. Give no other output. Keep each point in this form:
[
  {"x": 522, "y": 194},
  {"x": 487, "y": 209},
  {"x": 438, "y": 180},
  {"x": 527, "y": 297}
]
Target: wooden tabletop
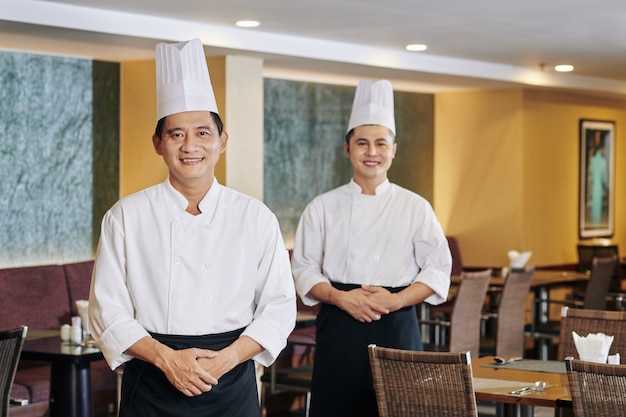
[
  {"x": 493, "y": 383},
  {"x": 541, "y": 277}
]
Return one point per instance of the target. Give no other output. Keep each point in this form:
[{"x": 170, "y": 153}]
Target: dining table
[
  {"x": 70, "y": 373},
  {"x": 497, "y": 383}
]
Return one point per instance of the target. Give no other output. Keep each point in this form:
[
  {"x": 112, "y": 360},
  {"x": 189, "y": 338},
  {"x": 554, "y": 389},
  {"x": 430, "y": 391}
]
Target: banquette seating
[{"x": 43, "y": 298}]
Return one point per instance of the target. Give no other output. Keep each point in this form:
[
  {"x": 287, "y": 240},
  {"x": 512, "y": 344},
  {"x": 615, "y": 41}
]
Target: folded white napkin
[
  {"x": 594, "y": 347},
  {"x": 518, "y": 260},
  {"x": 83, "y": 311}
]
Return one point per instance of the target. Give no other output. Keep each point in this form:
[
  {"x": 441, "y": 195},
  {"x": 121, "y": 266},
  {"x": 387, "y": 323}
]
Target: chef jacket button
[
  {"x": 376, "y": 258},
  {"x": 177, "y": 226},
  {"x": 207, "y": 226},
  {"x": 207, "y": 265},
  {"x": 207, "y": 297},
  {"x": 175, "y": 296},
  {"x": 177, "y": 260}
]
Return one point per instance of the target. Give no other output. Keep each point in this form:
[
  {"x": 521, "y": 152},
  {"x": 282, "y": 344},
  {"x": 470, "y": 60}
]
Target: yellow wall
[
  {"x": 506, "y": 171},
  {"x": 139, "y": 164},
  {"x": 478, "y": 172},
  {"x": 551, "y": 171}
]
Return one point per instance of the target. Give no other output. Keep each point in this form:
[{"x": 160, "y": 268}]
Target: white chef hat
[
  {"x": 182, "y": 79},
  {"x": 373, "y": 105}
]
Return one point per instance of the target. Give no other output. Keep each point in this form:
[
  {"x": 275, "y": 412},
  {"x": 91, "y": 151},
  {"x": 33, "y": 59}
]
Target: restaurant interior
[{"x": 497, "y": 147}]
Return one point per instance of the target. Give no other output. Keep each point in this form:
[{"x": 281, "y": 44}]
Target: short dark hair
[
  {"x": 351, "y": 133},
  {"x": 349, "y": 136},
  {"x": 216, "y": 118}
]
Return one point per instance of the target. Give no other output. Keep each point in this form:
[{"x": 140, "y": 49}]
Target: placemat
[{"x": 537, "y": 365}]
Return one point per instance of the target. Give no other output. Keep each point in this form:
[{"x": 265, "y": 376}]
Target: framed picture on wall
[{"x": 597, "y": 173}]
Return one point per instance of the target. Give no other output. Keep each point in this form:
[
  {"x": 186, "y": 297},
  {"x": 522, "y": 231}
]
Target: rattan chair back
[
  {"x": 602, "y": 271},
  {"x": 511, "y": 313},
  {"x": 583, "y": 322},
  {"x": 466, "y": 314},
  {"x": 11, "y": 342},
  {"x": 426, "y": 384},
  {"x": 597, "y": 390}
]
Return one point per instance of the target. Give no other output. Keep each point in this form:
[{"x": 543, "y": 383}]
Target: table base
[{"x": 72, "y": 397}]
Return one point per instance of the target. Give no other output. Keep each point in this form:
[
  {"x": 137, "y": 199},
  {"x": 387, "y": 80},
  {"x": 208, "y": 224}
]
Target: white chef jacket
[
  {"x": 163, "y": 270},
  {"x": 391, "y": 239}
]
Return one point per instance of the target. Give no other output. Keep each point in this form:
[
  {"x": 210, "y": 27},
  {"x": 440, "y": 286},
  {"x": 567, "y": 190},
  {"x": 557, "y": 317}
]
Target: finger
[
  {"x": 209, "y": 380},
  {"x": 205, "y": 353},
  {"x": 191, "y": 391}
]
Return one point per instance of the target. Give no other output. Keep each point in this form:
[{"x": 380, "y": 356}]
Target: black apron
[
  {"x": 342, "y": 377},
  {"x": 146, "y": 392}
]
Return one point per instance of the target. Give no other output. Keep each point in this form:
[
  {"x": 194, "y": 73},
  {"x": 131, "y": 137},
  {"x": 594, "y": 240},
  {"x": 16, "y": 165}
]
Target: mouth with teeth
[{"x": 191, "y": 161}]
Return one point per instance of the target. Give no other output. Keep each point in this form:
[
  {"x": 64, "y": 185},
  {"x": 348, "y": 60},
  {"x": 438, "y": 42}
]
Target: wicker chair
[
  {"x": 455, "y": 251},
  {"x": 597, "y": 390},
  {"x": 11, "y": 342},
  {"x": 410, "y": 383},
  {"x": 583, "y": 322},
  {"x": 597, "y": 291},
  {"x": 465, "y": 317},
  {"x": 292, "y": 378},
  {"x": 587, "y": 252},
  {"x": 510, "y": 316}
]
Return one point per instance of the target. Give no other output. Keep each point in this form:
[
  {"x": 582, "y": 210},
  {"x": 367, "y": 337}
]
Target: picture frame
[{"x": 597, "y": 178}]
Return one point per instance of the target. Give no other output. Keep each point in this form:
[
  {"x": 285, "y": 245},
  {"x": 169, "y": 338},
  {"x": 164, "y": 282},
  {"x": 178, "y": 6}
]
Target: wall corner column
[{"x": 238, "y": 85}]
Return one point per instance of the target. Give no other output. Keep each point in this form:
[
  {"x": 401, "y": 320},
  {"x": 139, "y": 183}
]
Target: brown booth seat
[{"x": 43, "y": 298}]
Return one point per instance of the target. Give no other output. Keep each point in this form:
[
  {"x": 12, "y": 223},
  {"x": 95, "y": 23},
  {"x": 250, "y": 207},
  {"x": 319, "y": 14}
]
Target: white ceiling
[{"x": 471, "y": 43}]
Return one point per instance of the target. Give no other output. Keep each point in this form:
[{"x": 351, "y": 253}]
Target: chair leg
[{"x": 307, "y": 404}]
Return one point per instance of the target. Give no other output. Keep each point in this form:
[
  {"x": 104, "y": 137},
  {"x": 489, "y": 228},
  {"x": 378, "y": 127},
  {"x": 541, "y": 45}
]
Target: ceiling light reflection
[
  {"x": 247, "y": 23},
  {"x": 416, "y": 47},
  {"x": 564, "y": 68}
]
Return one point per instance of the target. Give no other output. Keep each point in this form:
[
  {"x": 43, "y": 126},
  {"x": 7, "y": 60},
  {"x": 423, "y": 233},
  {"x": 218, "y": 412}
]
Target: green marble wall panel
[
  {"x": 305, "y": 127},
  {"x": 55, "y": 127},
  {"x": 106, "y": 141}
]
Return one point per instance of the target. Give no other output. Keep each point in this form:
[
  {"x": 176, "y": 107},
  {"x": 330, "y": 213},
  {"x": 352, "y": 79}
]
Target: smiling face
[
  {"x": 371, "y": 150},
  {"x": 191, "y": 147}
]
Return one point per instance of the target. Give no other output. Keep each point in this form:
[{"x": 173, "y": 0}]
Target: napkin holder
[
  {"x": 518, "y": 260},
  {"x": 594, "y": 347}
]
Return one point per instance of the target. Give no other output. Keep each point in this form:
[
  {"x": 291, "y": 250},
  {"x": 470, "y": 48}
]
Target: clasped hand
[
  {"x": 193, "y": 371},
  {"x": 368, "y": 303}
]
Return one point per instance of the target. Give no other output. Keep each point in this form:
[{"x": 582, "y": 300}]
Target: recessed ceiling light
[
  {"x": 416, "y": 47},
  {"x": 247, "y": 23},
  {"x": 564, "y": 68}
]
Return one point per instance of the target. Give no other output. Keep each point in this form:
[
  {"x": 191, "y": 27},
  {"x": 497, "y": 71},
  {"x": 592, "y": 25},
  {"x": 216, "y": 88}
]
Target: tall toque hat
[
  {"x": 373, "y": 105},
  {"x": 182, "y": 79}
]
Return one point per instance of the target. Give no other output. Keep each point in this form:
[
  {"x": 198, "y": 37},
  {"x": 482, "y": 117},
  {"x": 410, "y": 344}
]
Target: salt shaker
[
  {"x": 76, "y": 332},
  {"x": 66, "y": 333}
]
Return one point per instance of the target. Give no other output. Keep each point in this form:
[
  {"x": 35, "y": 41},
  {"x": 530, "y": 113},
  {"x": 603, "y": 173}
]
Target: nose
[
  {"x": 189, "y": 144},
  {"x": 371, "y": 149}
]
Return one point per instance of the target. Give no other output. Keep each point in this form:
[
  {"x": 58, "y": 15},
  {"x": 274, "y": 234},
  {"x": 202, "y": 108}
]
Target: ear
[
  {"x": 223, "y": 141},
  {"x": 395, "y": 148},
  {"x": 346, "y": 149},
  {"x": 156, "y": 142}
]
